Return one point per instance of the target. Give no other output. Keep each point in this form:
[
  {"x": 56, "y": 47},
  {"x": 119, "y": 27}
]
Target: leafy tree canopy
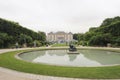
[
  {"x": 18, "y": 33},
  {"x": 107, "y": 32}
]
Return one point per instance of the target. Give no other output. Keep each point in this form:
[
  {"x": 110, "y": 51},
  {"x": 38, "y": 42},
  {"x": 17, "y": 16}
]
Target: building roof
[
  {"x": 50, "y": 33},
  {"x": 59, "y": 32},
  {"x": 69, "y": 33}
]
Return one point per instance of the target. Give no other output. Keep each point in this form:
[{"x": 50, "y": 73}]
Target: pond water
[{"x": 86, "y": 58}]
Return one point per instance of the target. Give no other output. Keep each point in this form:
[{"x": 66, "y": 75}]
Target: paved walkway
[{"x": 7, "y": 74}]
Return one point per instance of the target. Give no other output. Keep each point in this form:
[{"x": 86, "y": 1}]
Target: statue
[
  {"x": 72, "y": 48},
  {"x": 16, "y": 45}
]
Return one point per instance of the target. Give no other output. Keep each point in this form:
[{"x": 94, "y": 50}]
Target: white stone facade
[{"x": 59, "y": 37}]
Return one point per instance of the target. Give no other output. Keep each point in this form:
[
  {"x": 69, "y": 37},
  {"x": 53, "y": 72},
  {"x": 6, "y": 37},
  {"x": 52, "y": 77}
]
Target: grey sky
[{"x": 59, "y": 15}]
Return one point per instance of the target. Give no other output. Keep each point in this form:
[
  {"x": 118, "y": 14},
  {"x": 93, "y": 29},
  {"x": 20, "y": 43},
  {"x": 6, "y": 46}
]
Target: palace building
[{"x": 59, "y": 37}]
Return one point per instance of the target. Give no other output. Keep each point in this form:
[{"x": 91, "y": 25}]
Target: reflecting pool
[{"x": 88, "y": 58}]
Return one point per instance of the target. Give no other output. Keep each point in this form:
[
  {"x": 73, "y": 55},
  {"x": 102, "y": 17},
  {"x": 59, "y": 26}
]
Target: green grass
[
  {"x": 59, "y": 45},
  {"x": 8, "y": 60}
]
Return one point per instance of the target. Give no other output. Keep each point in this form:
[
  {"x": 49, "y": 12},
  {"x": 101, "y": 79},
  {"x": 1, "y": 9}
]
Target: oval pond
[{"x": 88, "y": 58}]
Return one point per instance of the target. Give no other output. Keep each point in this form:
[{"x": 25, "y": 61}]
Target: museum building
[{"x": 59, "y": 37}]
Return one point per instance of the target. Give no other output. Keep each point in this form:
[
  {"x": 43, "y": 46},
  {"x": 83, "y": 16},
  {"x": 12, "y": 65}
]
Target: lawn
[
  {"x": 8, "y": 60},
  {"x": 59, "y": 45}
]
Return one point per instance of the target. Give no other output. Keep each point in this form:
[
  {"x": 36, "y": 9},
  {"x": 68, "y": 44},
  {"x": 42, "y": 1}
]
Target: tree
[
  {"x": 108, "y": 32},
  {"x": 5, "y": 40},
  {"x": 42, "y": 37},
  {"x": 19, "y": 33},
  {"x": 110, "y": 21},
  {"x": 88, "y": 35},
  {"x": 100, "y": 40},
  {"x": 23, "y": 39},
  {"x": 79, "y": 36},
  {"x": 92, "y": 29},
  {"x": 75, "y": 36}
]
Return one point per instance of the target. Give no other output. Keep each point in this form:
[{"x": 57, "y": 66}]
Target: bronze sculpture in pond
[{"x": 72, "y": 48}]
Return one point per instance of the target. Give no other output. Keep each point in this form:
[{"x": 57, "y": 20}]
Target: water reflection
[
  {"x": 29, "y": 56},
  {"x": 104, "y": 57},
  {"x": 85, "y": 58},
  {"x": 56, "y": 52},
  {"x": 72, "y": 57}
]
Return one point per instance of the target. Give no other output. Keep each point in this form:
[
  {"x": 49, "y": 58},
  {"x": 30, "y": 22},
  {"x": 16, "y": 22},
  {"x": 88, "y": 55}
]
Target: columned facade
[{"x": 59, "y": 37}]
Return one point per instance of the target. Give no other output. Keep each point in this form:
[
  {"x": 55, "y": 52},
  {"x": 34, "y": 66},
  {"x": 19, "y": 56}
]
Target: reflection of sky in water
[{"x": 85, "y": 58}]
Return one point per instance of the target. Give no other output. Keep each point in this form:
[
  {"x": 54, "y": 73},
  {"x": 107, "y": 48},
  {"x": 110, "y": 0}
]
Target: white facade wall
[{"x": 59, "y": 36}]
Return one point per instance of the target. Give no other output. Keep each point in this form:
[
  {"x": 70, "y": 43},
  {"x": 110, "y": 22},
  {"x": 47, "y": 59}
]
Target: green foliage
[
  {"x": 83, "y": 43},
  {"x": 16, "y": 33},
  {"x": 24, "y": 39},
  {"x": 92, "y": 29},
  {"x": 38, "y": 43},
  {"x": 75, "y": 36},
  {"x": 5, "y": 40},
  {"x": 114, "y": 29},
  {"x": 100, "y": 40},
  {"x": 110, "y": 21},
  {"x": 42, "y": 36},
  {"x": 78, "y": 36},
  {"x": 59, "y": 45},
  {"x": 108, "y": 32},
  {"x": 88, "y": 35}
]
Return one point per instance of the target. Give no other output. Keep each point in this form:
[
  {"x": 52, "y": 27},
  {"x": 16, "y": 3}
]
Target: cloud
[{"x": 55, "y": 15}]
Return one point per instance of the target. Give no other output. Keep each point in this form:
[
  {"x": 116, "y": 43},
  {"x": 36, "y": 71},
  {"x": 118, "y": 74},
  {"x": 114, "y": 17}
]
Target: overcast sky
[{"x": 59, "y": 15}]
